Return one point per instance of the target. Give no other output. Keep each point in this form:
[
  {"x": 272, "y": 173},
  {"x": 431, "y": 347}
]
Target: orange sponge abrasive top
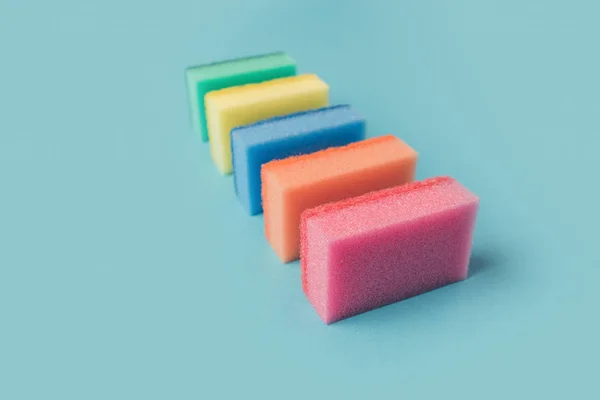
[{"x": 295, "y": 184}]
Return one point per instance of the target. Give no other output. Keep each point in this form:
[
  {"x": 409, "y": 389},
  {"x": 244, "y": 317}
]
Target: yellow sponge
[{"x": 242, "y": 105}]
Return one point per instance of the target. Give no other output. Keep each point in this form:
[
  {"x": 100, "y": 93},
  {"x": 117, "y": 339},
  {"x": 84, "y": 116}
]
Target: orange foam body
[{"x": 295, "y": 184}]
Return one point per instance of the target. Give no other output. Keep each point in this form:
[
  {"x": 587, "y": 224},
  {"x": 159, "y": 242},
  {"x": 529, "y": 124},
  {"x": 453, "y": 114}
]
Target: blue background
[{"x": 128, "y": 270}]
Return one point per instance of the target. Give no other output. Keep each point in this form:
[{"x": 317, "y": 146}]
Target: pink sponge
[{"x": 369, "y": 251}]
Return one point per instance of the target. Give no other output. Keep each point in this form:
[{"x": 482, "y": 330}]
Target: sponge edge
[{"x": 373, "y": 250}]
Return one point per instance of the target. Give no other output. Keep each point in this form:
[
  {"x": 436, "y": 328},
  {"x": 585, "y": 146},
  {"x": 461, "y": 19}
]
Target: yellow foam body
[{"x": 229, "y": 108}]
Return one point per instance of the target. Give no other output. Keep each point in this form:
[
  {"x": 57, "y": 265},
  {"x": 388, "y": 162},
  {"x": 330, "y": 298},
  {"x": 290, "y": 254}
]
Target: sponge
[
  {"x": 205, "y": 78},
  {"x": 242, "y": 105},
  {"x": 282, "y": 137},
  {"x": 376, "y": 249},
  {"x": 295, "y": 184}
]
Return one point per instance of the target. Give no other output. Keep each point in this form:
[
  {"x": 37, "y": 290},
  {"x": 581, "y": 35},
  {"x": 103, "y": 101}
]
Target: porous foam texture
[
  {"x": 281, "y": 137},
  {"x": 295, "y": 184},
  {"x": 229, "y": 108},
  {"x": 386, "y": 246},
  {"x": 203, "y": 79}
]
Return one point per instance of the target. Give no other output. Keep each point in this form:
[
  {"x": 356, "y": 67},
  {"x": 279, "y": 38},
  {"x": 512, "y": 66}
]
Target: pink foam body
[{"x": 383, "y": 247}]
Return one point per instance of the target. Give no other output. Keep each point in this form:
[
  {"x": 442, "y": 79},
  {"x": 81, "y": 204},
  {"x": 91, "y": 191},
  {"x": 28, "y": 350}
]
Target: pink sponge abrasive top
[
  {"x": 376, "y": 249},
  {"x": 295, "y": 184}
]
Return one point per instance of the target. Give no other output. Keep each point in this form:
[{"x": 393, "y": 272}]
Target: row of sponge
[{"x": 368, "y": 235}]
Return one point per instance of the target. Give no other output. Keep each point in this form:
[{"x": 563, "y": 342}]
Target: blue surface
[
  {"x": 281, "y": 137},
  {"x": 128, "y": 269}
]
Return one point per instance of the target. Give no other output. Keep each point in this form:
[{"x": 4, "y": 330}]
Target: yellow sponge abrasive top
[{"x": 242, "y": 105}]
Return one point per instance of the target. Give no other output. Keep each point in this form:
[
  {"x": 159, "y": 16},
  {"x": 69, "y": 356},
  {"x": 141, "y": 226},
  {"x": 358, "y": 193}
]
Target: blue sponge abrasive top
[{"x": 281, "y": 137}]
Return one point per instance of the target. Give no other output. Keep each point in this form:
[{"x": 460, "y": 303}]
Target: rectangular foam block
[
  {"x": 295, "y": 184},
  {"x": 282, "y": 137},
  {"x": 382, "y": 247},
  {"x": 206, "y": 78},
  {"x": 229, "y": 108}
]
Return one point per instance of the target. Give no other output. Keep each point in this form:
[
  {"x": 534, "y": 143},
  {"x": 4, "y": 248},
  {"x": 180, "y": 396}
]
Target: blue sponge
[{"x": 282, "y": 137}]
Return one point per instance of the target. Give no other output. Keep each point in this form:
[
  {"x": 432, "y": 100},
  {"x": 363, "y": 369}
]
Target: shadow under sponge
[
  {"x": 281, "y": 137},
  {"x": 386, "y": 246}
]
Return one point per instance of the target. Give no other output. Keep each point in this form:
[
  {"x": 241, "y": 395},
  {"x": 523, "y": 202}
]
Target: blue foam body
[{"x": 281, "y": 137}]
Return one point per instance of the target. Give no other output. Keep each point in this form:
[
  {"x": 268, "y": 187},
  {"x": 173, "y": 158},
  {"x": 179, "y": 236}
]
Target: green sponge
[{"x": 241, "y": 71}]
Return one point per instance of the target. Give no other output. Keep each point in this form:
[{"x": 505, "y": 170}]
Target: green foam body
[{"x": 206, "y": 78}]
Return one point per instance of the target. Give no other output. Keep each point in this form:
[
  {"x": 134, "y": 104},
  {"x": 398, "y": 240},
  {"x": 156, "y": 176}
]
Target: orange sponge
[{"x": 295, "y": 184}]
